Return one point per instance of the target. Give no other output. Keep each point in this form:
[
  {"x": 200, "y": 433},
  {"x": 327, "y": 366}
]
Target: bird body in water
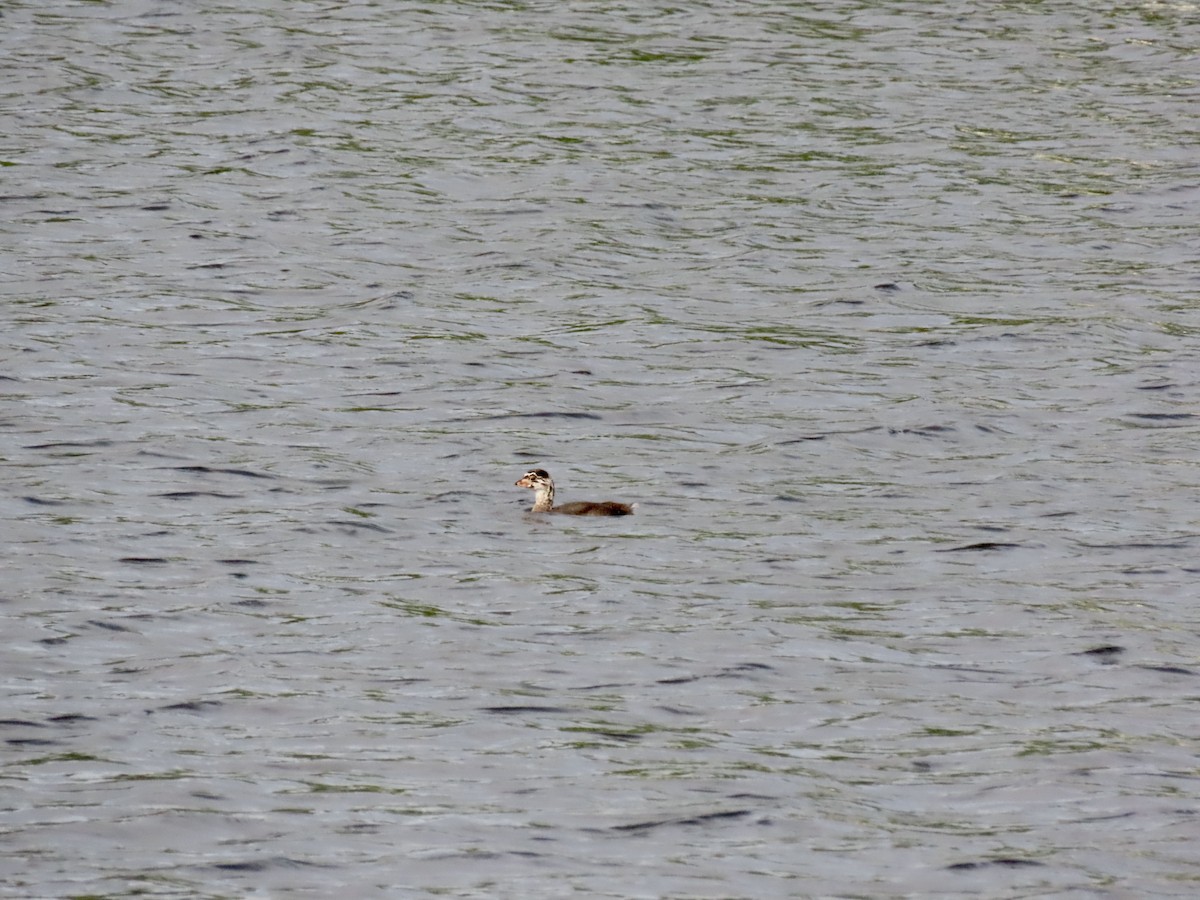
[{"x": 543, "y": 499}]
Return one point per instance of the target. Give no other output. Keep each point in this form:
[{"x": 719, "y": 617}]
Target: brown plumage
[{"x": 543, "y": 498}]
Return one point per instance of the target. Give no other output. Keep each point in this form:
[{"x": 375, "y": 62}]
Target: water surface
[{"x": 884, "y": 314}]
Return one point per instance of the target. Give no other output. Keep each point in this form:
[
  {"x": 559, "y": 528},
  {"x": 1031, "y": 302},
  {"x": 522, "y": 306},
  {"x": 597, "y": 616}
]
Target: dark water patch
[
  {"x": 604, "y": 686},
  {"x": 71, "y": 719},
  {"x": 1157, "y": 386},
  {"x": 886, "y": 286},
  {"x": 742, "y": 670},
  {"x": 628, "y": 737},
  {"x": 542, "y": 415},
  {"x": 964, "y": 669},
  {"x": 820, "y": 436},
  {"x": 41, "y": 501},
  {"x": 109, "y": 626},
  {"x": 71, "y": 445},
  {"x": 924, "y": 430},
  {"x": 31, "y": 742},
  {"x": 1107, "y": 653},
  {"x": 520, "y": 710},
  {"x": 676, "y": 711},
  {"x": 1108, "y": 818},
  {"x": 68, "y": 756},
  {"x": 1139, "y": 545},
  {"x": 190, "y": 495},
  {"x": 747, "y": 795},
  {"x": 144, "y": 560},
  {"x": 702, "y": 819},
  {"x": 979, "y": 546},
  {"x": 1162, "y": 417},
  {"x": 157, "y": 454},
  {"x": 425, "y": 610},
  {"x": 20, "y": 723},
  {"x": 188, "y": 706},
  {"x": 457, "y": 495},
  {"x": 352, "y": 525},
  {"x": 238, "y": 562},
  {"x": 1005, "y": 862},
  {"x": 263, "y": 865},
  {"x": 1168, "y": 670},
  {"x": 360, "y": 828},
  {"x": 212, "y": 470},
  {"x": 399, "y": 295}
]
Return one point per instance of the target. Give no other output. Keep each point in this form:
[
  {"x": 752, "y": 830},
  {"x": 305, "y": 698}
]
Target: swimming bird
[{"x": 543, "y": 498}]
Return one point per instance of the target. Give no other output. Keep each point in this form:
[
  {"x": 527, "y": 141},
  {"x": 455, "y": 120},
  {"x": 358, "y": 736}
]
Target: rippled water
[{"x": 884, "y": 313}]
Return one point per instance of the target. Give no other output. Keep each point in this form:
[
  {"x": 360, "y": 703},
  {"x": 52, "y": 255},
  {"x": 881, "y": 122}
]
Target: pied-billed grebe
[{"x": 543, "y": 498}]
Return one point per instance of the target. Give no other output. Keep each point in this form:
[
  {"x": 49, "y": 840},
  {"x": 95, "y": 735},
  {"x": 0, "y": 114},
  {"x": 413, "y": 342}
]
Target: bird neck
[{"x": 543, "y": 498}]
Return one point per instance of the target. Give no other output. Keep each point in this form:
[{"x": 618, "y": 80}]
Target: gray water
[{"x": 885, "y": 314}]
